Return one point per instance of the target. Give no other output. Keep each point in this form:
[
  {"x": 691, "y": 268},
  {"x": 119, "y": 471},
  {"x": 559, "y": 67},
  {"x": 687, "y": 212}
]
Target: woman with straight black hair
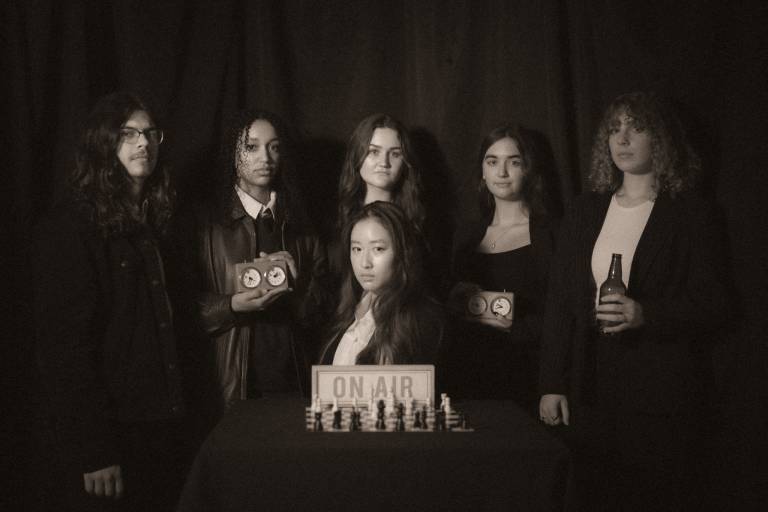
[{"x": 384, "y": 315}]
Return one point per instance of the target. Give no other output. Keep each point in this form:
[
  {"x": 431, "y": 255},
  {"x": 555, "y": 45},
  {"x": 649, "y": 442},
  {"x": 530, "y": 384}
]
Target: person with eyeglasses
[{"x": 109, "y": 373}]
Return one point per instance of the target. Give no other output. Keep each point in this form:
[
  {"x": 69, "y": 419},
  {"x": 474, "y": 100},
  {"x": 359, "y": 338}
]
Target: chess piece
[
  {"x": 336, "y": 415},
  {"x": 424, "y": 422},
  {"x": 442, "y": 401},
  {"x": 464, "y": 422},
  {"x": 400, "y": 423},
  {"x": 390, "y": 402},
  {"x": 447, "y": 405},
  {"x": 318, "y": 426},
  {"x": 409, "y": 406},
  {"x": 417, "y": 421},
  {"x": 380, "y": 423}
]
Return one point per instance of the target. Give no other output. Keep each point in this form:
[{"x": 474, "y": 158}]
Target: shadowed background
[{"x": 451, "y": 70}]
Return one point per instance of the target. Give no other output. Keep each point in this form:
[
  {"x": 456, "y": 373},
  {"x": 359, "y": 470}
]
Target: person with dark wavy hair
[
  {"x": 106, "y": 352},
  {"x": 623, "y": 369},
  {"x": 380, "y": 165},
  {"x": 384, "y": 315},
  {"x": 507, "y": 248},
  {"x": 258, "y": 339}
]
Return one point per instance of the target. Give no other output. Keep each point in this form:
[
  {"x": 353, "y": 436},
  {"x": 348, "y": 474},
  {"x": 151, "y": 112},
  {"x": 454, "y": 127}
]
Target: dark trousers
[
  {"x": 633, "y": 462},
  {"x": 154, "y": 460}
]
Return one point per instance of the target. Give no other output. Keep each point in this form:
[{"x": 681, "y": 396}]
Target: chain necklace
[{"x": 507, "y": 230}]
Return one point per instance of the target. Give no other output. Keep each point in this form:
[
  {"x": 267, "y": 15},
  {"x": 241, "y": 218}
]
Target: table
[{"x": 259, "y": 457}]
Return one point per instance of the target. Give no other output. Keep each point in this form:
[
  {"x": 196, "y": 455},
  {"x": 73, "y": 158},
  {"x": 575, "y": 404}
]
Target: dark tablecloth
[{"x": 261, "y": 458}]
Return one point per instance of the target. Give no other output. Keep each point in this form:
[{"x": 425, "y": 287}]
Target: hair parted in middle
[
  {"x": 101, "y": 179},
  {"x": 352, "y": 188},
  {"x": 673, "y": 162},
  {"x": 400, "y": 303},
  {"x": 286, "y": 181},
  {"x": 533, "y": 181}
]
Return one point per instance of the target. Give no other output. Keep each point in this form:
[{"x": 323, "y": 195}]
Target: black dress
[{"x": 484, "y": 362}]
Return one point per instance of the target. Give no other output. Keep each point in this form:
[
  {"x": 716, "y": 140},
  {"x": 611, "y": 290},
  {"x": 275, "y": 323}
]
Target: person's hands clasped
[
  {"x": 627, "y": 311},
  {"x": 499, "y": 323},
  {"x": 553, "y": 410},
  {"x": 105, "y": 482}
]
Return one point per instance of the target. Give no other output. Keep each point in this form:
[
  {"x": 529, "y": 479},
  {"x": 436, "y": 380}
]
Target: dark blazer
[
  {"x": 430, "y": 333},
  {"x": 105, "y": 345},
  {"x": 675, "y": 278}
]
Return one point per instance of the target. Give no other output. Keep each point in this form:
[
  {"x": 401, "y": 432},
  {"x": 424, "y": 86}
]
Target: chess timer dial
[
  {"x": 501, "y": 306},
  {"x": 492, "y": 305},
  {"x": 251, "y": 278},
  {"x": 261, "y": 273}
]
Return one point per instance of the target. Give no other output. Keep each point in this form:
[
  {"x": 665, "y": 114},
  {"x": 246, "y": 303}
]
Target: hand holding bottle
[{"x": 621, "y": 312}]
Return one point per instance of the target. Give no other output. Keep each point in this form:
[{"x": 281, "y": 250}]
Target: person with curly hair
[
  {"x": 106, "y": 351},
  {"x": 385, "y": 315},
  {"x": 622, "y": 370},
  {"x": 507, "y": 248},
  {"x": 258, "y": 340}
]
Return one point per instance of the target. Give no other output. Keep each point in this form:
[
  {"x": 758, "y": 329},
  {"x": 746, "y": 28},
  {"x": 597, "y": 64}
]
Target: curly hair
[
  {"x": 673, "y": 161},
  {"x": 101, "y": 180},
  {"x": 352, "y": 188},
  {"x": 286, "y": 182},
  {"x": 533, "y": 182},
  {"x": 396, "y": 339}
]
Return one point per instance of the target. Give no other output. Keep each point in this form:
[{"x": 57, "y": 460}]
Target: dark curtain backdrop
[{"x": 451, "y": 70}]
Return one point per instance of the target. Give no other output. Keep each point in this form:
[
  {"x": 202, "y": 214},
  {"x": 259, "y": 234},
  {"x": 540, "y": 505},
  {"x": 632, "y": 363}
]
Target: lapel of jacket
[
  {"x": 594, "y": 224},
  {"x": 655, "y": 233}
]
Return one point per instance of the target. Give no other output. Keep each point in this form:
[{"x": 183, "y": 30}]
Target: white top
[
  {"x": 620, "y": 234},
  {"x": 252, "y": 206},
  {"x": 355, "y": 339}
]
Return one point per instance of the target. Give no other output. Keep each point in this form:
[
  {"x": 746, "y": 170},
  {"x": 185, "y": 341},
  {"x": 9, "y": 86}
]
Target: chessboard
[{"x": 385, "y": 417}]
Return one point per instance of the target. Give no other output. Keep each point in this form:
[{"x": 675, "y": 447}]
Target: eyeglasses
[{"x": 131, "y": 135}]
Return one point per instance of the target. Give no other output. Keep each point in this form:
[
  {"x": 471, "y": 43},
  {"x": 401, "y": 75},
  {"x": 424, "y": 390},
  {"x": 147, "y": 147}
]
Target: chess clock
[
  {"x": 261, "y": 273},
  {"x": 495, "y": 305}
]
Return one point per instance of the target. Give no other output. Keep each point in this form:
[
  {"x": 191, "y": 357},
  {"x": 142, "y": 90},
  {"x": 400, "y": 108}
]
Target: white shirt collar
[{"x": 252, "y": 206}]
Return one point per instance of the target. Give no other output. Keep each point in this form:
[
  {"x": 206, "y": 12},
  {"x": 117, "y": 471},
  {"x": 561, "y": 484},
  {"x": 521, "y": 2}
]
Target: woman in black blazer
[
  {"x": 629, "y": 391},
  {"x": 507, "y": 248}
]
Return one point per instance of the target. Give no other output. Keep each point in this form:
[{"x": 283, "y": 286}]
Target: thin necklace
[{"x": 509, "y": 228}]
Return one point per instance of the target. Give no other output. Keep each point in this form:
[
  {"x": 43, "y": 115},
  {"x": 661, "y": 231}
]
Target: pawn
[{"x": 464, "y": 421}]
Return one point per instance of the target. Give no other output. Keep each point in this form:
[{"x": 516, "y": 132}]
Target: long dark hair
[
  {"x": 352, "y": 188},
  {"x": 533, "y": 182},
  {"x": 285, "y": 182},
  {"x": 101, "y": 180},
  {"x": 673, "y": 161},
  {"x": 399, "y": 307}
]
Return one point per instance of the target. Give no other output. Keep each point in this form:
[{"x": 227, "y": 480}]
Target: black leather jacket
[{"x": 223, "y": 241}]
